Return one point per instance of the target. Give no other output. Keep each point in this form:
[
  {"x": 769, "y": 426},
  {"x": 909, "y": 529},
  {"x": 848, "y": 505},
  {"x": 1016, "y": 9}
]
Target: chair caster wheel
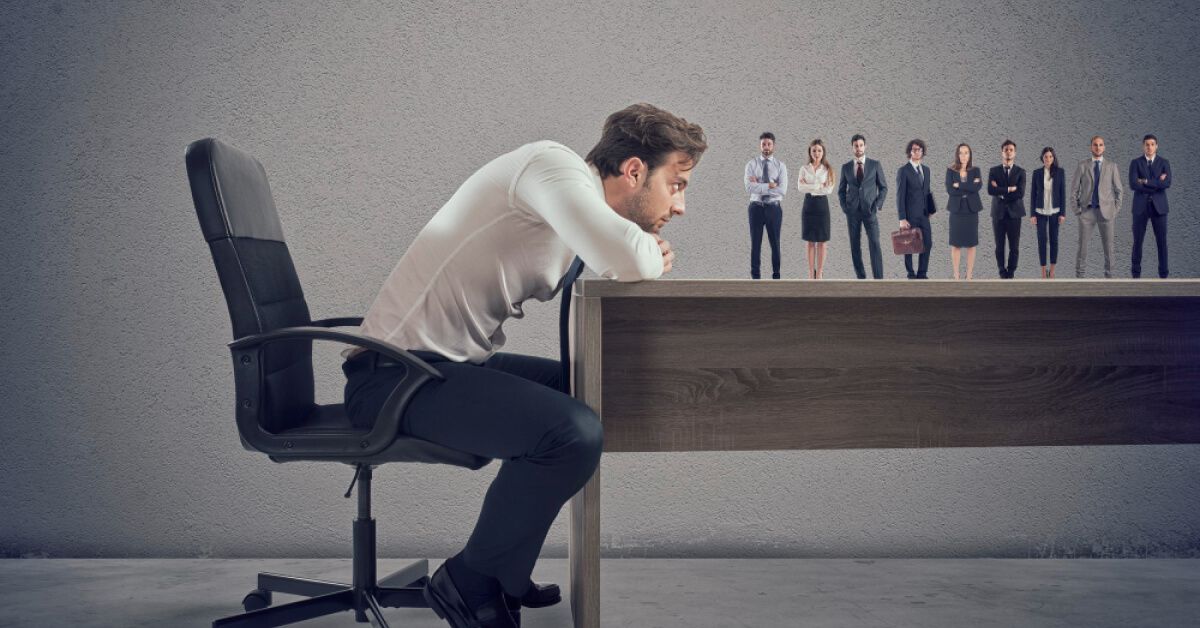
[{"x": 256, "y": 600}]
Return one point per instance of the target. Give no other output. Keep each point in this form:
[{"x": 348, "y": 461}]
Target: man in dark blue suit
[
  {"x": 1006, "y": 185},
  {"x": 861, "y": 191},
  {"x": 915, "y": 204},
  {"x": 1149, "y": 176}
]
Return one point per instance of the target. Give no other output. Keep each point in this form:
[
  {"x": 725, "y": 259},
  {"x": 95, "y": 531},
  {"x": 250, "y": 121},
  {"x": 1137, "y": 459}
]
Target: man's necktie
[
  {"x": 859, "y": 174},
  {"x": 1096, "y": 183},
  {"x": 564, "y": 317},
  {"x": 766, "y": 178},
  {"x": 1007, "y": 170},
  {"x": 920, "y": 175}
]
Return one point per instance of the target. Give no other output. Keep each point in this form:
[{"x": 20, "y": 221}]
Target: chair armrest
[
  {"x": 347, "y": 337},
  {"x": 341, "y": 321},
  {"x": 247, "y": 353}
]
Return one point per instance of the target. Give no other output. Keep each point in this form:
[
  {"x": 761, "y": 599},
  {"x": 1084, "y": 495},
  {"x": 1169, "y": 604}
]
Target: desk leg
[{"x": 584, "y": 551}]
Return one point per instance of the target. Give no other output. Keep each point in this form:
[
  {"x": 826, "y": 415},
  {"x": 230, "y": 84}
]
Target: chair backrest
[{"x": 238, "y": 217}]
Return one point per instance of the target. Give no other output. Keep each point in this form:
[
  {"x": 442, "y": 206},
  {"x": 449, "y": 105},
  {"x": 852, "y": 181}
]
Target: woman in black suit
[
  {"x": 1047, "y": 209},
  {"x": 963, "y": 183}
]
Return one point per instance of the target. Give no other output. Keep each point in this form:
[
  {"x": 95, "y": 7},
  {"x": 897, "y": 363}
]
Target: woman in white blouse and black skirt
[{"x": 816, "y": 180}]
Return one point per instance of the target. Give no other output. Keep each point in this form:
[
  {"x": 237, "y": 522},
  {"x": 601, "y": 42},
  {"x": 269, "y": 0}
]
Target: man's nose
[{"x": 677, "y": 204}]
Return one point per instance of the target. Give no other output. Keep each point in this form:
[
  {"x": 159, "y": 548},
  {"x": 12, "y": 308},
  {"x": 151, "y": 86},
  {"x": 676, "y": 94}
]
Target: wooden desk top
[{"x": 891, "y": 288}]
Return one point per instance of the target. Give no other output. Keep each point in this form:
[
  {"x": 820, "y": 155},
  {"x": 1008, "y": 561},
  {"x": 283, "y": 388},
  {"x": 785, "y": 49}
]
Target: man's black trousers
[{"x": 510, "y": 409}]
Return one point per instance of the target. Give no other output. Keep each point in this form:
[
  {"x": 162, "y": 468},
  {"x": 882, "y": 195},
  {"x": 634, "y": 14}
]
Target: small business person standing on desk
[
  {"x": 1047, "y": 207},
  {"x": 1006, "y": 185},
  {"x": 1096, "y": 192},
  {"x": 816, "y": 180},
  {"x": 861, "y": 192},
  {"x": 766, "y": 183},
  {"x": 915, "y": 204},
  {"x": 1149, "y": 176},
  {"x": 963, "y": 183},
  {"x": 526, "y": 215}
]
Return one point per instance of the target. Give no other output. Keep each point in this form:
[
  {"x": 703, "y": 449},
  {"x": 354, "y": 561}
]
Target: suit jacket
[
  {"x": 1151, "y": 195},
  {"x": 1007, "y": 204},
  {"x": 1111, "y": 189},
  {"x": 1058, "y": 194},
  {"x": 866, "y": 198},
  {"x": 964, "y": 199},
  {"x": 913, "y": 199}
]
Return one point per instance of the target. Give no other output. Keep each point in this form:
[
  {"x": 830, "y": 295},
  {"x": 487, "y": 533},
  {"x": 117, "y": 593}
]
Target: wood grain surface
[{"x": 742, "y": 373}]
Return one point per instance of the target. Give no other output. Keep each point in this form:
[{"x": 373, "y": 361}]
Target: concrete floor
[{"x": 657, "y": 593}]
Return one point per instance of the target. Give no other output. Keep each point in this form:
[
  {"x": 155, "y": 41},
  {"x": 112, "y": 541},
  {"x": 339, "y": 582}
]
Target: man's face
[
  {"x": 1150, "y": 147},
  {"x": 767, "y": 146},
  {"x": 1097, "y": 147},
  {"x": 1008, "y": 153},
  {"x": 661, "y": 197},
  {"x": 860, "y": 148},
  {"x": 915, "y": 152}
]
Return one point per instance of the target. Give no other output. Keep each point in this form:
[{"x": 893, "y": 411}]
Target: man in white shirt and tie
[
  {"x": 507, "y": 235},
  {"x": 766, "y": 182},
  {"x": 1096, "y": 192}
]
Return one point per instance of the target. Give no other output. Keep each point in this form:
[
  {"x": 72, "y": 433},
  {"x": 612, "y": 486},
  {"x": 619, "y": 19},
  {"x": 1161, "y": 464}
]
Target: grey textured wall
[{"x": 116, "y": 431}]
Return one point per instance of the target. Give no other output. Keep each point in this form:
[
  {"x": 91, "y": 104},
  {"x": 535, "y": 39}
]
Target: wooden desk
[{"x": 776, "y": 365}]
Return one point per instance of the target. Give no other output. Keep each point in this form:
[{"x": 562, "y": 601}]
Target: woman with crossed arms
[
  {"x": 963, "y": 183},
  {"x": 817, "y": 180}
]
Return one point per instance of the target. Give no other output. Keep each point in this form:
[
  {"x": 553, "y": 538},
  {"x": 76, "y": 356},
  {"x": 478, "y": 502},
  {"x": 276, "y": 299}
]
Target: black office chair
[{"x": 273, "y": 377}]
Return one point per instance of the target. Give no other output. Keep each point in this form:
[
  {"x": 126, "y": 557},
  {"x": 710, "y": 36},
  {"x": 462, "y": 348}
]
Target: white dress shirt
[
  {"x": 507, "y": 235},
  {"x": 776, "y": 173},
  {"x": 816, "y": 183},
  {"x": 1047, "y": 208}
]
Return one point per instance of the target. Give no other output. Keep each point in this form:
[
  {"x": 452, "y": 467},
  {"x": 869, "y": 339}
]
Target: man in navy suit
[
  {"x": 1006, "y": 185},
  {"x": 1149, "y": 176},
  {"x": 915, "y": 204},
  {"x": 861, "y": 191}
]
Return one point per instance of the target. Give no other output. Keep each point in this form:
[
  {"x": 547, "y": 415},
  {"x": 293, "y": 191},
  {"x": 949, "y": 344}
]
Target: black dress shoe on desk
[{"x": 444, "y": 598}]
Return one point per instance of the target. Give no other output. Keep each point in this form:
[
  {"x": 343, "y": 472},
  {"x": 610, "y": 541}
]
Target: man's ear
[{"x": 634, "y": 171}]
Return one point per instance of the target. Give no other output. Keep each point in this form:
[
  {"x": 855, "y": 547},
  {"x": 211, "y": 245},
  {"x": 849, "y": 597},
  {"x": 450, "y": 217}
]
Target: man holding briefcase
[{"x": 915, "y": 204}]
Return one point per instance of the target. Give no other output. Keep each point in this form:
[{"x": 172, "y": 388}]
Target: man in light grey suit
[
  {"x": 861, "y": 191},
  {"x": 1096, "y": 191}
]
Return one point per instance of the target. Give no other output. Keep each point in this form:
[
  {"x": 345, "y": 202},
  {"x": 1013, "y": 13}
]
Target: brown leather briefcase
[{"x": 908, "y": 242}]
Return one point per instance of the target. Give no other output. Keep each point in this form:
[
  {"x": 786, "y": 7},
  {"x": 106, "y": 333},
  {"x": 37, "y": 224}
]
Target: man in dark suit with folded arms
[
  {"x": 915, "y": 204},
  {"x": 861, "y": 191},
  {"x": 1006, "y": 185},
  {"x": 1149, "y": 176}
]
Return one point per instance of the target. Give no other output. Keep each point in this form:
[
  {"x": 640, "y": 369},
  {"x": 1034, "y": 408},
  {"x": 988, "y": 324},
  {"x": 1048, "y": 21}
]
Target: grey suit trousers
[{"x": 1089, "y": 220}]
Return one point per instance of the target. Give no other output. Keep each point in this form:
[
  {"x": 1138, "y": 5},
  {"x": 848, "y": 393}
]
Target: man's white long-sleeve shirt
[{"x": 507, "y": 235}]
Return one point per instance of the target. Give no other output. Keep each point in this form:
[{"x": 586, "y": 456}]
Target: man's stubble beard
[{"x": 637, "y": 209}]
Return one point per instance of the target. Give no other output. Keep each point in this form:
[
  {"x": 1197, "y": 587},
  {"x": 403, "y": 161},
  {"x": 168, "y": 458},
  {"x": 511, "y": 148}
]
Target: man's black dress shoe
[
  {"x": 443, "y": 597},
  {"x": 541, "y": 595},
  {"x": 538, "y": 596}
]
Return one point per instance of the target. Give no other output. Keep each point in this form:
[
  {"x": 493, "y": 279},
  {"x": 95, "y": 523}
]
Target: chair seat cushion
[{"x": 332, "y": 419}]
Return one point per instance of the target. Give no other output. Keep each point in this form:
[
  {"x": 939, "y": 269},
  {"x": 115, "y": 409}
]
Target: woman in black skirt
[
  {"x": 816, "y": 181},
  {"x": 963, "y": 183}
]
